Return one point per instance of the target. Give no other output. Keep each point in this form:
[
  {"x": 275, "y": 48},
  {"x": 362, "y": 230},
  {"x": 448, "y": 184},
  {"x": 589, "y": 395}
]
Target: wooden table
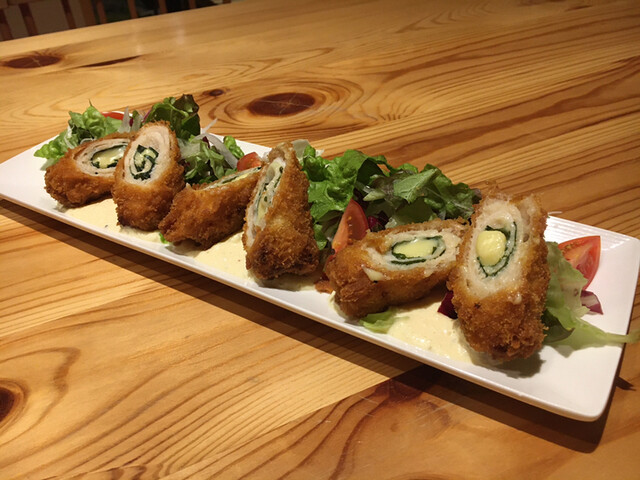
[{"x": 117, "y": 365}]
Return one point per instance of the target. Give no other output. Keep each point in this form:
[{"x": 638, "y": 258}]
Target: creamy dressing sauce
[
  {"x": 103, "y": 214},
  {"x": 417, "y": 323},
  {"x": 227, "y": 256},
  {"x": 420, "y": 324}
]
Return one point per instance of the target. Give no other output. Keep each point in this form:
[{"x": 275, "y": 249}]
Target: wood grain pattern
[{"x": 117, "y": 365}]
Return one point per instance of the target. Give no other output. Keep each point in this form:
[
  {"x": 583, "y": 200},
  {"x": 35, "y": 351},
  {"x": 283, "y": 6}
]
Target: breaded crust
[
  {"x": 207, "y": 215},
  {"x": 363, "y": 286},
  {"x": 505, "y": 322},
  {"x": 73, "y": 187},
  {"x": 286, "y": 243},
  {"x": 143, "y": 206}
]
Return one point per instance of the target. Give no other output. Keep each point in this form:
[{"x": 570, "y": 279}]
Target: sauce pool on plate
[{"x": 418, "y": 324}]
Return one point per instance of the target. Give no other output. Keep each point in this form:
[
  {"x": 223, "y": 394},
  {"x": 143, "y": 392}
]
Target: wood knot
[
  {"x": 281, "y": 104},
  {"x": 216, "y": 92},
  {"x": 35, "y": 60},
  {"x": 11, "y": 400}
]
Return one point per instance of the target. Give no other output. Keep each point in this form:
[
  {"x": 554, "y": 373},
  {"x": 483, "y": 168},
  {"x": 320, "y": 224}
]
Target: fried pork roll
[
  {"x": 148, "y": 177},
  {"x": 278, "y": 232},
  {"x": 85, "y": 173},
  {"x": 208, "y": 213},
  {"x": 394, "y": 266},
  {"x": 500, "y": 280}
]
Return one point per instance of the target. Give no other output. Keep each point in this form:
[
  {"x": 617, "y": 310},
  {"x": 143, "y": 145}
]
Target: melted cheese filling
[
  {"x": 101, "y": 157},
  {"x": 498, "y": 215},
  {"x": 415, "y": 243}
]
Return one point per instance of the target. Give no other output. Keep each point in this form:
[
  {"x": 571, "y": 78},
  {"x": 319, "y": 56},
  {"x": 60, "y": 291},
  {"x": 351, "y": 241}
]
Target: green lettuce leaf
[
  {"x": 393, "y": 196},
  {"x": 332, "y": 181},
  {"x": 233, "y": 147},
  {"x": 410, "y": 196},
  {"x": 203, "y": 163},
  {"x": 564, "y": 309},
  {"x": 379, "y": 322},
  {"x": 416, "y": 212},
  {"x": 181, "y": 114},
  {"x": 86, "y": 126},
  {"x": 332, "y": 184}
]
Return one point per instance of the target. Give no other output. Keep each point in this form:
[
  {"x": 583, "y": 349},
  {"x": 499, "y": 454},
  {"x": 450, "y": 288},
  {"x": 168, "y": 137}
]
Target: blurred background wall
[{"x": 49, "y": 15}]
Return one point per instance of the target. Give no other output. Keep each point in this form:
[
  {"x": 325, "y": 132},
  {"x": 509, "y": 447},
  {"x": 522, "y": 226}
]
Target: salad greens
[
  {"x": 181, "y": 114},
  {"x": 232, "y": 146},
  {"x": 380, "y": 322},
  {"x": 203, "y": 162},
  {"x": 390, "y": 196},
  {"x": 564, "y": 308},
  {"x": 82, "y": 127},
  {"x": 408, "y": 195}
]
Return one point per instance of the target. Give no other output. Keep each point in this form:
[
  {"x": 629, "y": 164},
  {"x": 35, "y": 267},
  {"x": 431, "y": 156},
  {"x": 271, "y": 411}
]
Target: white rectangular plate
[{"x": 571, "y": 382}]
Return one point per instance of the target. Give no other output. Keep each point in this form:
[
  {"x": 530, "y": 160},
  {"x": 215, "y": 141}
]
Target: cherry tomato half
[
  {"x": 250, "y": 160},
  {"x": 116, "y": 115},
  {"x": 353, "y": 226},
  {"x": 583, "y": 254}
]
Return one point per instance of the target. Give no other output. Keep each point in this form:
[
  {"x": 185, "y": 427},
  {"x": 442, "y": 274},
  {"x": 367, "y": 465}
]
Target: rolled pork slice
[
  {"x": 278, "y": 233},
  {"x": 86, "y": 173},
  {"x": 148, "y": 177},
  {"x": 501, "y": 276},
  {"x": 394, "y": 266},
  {"x": 208, "y": 213}
]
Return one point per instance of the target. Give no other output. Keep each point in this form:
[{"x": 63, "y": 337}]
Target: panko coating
[
  {"x": 278, "y": 233},
  {"x": 148, "y": 177},
  {"x": 86, "y": 173},
  {"x": 208, "y": 213},
  {"x": 501, "y": 276},
  {"x": 394, "y": 266}
]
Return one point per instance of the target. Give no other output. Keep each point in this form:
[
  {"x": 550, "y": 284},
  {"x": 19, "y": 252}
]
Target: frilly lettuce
[
  {"x": 390, "y": 196},
  {"x": 380, "y": 322},
  {"x": 233, "y": 147},
  {"x": 181, "y": 114},
  {"x": 407, "y": 195},
  {"x": 204, "y": 163},
  {"x": 332, "y": 184},
  {"x": 564, "y": 309},
  {"x": 86, "y": 126}
]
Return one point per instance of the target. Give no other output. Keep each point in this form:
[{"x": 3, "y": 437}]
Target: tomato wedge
[
  {"x": 250, "y": 160},
  {"x": 116, "y": 115},
  {"x": 583, "y": 254},
  {"x": 353, "y": 226}
]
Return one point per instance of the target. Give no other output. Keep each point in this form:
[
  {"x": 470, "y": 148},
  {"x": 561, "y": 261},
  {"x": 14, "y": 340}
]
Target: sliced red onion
[
  {"x": 375, "y": 224},
  {"x": 591, "y": 301},
  {"x": 298, "y": 146},
  {"x": 208, "y": 127},
  {"x": 125, "y": 125},
  {"x": 446, "y": 306},
  {"x": 222, "y": 149},
  {"x": 188, "y": 149},
  {"x": 66, "y": 137}
]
